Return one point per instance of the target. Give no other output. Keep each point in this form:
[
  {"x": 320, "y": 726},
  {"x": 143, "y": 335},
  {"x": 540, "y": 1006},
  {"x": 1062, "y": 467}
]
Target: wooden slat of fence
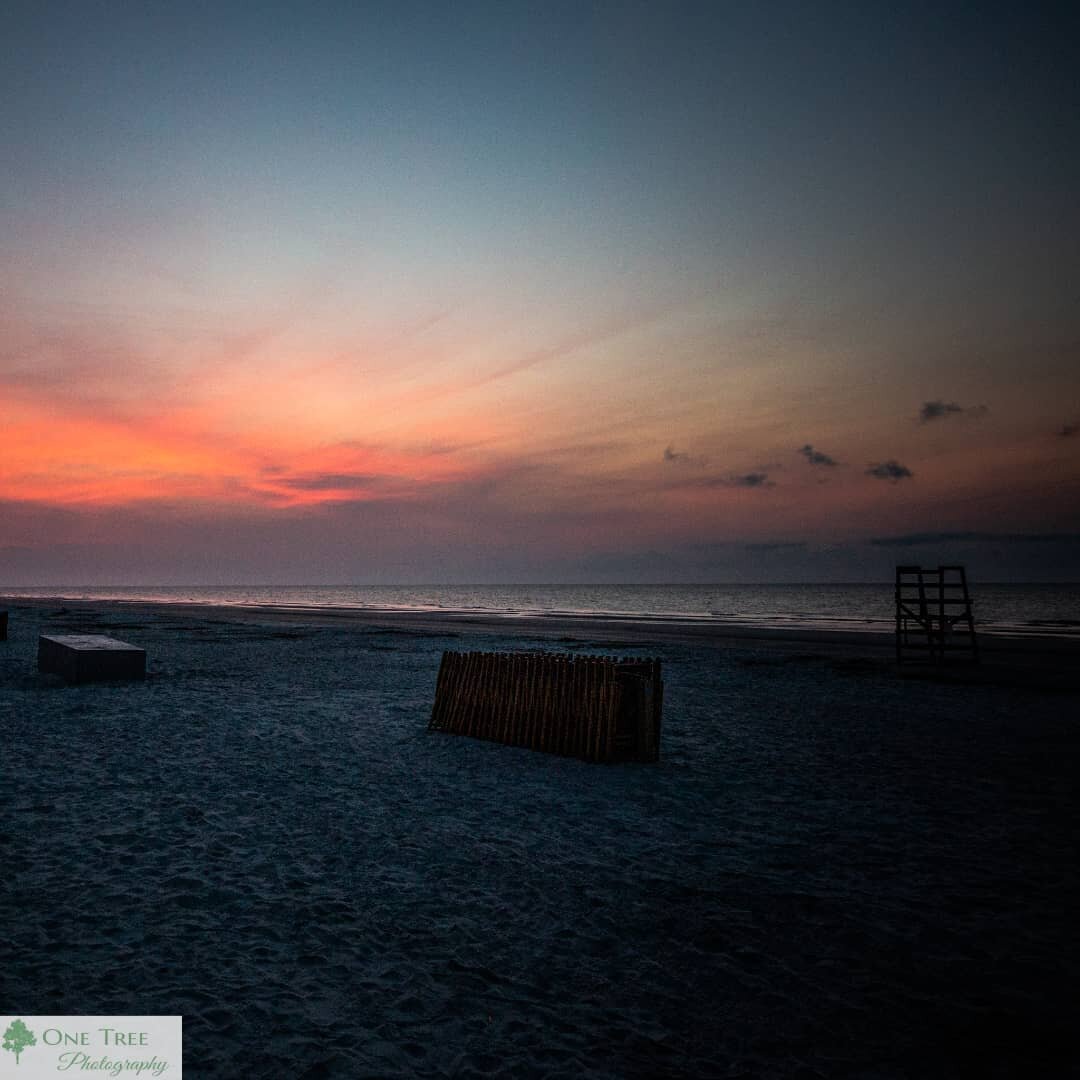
[
  {"x": 553, "y": 734},
  {"x": 581, "y": 709},
  {"x": 443, "y": 709},
  {"x": 521, "y": 720},
  {"x": 490, "y": 689},
  {"x": 616, "y": 701},
  {"x": 479, "y": 704},
  {"x": 611, "y": 714},
  {"x": 463, "y": 718},
  {"x": 536, "y": 716},
  {"x": 585, "y": 700},
  {"x": 568, "y": 708},
  {"x": 440, "y": 692},
  {"x": 540, "y": 731},
  {"x": 569, "y": 700},
  {"x": 511, "y": 695},
  {"x": 595, "y": 689},
  {"x": 550, "y": 736}
]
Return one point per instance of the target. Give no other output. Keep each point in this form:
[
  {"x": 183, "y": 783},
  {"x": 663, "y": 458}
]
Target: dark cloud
[
  {"x": 333, "y": 482},
  {"x": 757, "y": 478},
  {"x": 649, "y": 564},
  {"x": 815, "y": 457},
  {"x": 682, "y": 458},
  {"x": 917, "y": 539},
  {"x": 1067, "y": 431},
  {"x": 936, "y": 410},
  {"x": 776, "y": 545},
  {"x": 888, "y": 470},
  {"x": 743, "y": 480},
  {"x": 752, "y": 480}
]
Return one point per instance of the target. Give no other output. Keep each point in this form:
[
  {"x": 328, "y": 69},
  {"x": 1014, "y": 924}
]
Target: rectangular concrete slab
[{"x": 81, "y": 658}]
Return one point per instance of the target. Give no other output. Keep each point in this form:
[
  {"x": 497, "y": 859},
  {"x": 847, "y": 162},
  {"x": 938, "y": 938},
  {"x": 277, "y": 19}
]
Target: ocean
[{"x": 999, "y": 608}]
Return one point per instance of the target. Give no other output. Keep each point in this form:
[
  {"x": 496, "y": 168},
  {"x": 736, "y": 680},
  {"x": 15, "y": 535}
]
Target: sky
[{"x": 346, "y": 293}]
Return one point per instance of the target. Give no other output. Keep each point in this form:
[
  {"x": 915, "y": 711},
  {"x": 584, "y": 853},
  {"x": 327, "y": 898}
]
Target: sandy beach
[{"x": 833, "y": 871}]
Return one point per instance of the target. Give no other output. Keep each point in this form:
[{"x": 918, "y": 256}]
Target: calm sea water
[{"x": 1005, "y": 608}]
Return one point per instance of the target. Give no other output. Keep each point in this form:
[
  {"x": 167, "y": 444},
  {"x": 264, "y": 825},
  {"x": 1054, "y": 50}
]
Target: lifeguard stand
[{"x": 934, "y": 624}]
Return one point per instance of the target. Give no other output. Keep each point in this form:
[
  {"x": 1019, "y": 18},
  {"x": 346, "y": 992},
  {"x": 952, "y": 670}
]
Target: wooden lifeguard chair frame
[{"x": 934, "y": 623}]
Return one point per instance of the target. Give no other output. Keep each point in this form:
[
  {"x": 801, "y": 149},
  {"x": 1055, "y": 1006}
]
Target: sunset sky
[{"x": 420, "y": 293}]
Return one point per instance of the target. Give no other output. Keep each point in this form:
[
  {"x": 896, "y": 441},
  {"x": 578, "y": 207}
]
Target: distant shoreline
[
  {"x": 1044, "y": 658},
  {"x": 790, "y": 614}
]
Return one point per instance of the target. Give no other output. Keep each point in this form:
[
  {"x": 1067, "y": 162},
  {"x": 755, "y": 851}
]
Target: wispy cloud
[
  {"x": 918, "y": 539},
  {"x": 888, "y": 470},
  {"x": 938, "y": 410},
  {"x": 680, "y": 457},
  {"x": 764, "y": 547},
  {"x": 598, "y": 332},
  {"x": 816, "y": 457},
  {"x": 333, "y": 482}
]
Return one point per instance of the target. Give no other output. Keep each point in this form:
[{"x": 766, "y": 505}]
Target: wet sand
[{"x": 833, "y": 871}]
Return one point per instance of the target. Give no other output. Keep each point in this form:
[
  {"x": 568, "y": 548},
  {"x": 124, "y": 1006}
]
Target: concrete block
[{"x": 83, "y": 658}]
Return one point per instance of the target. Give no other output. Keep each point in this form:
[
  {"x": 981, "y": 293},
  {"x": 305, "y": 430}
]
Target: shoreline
[{"x": 1053, "y": 661}]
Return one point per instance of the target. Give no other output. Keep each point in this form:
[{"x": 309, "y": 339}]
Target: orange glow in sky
[{"x": 340, "y": 298}]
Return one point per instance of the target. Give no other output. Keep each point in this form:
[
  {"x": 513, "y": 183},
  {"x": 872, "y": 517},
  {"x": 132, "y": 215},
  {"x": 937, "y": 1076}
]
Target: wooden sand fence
[{"x": 597, "y": 708}]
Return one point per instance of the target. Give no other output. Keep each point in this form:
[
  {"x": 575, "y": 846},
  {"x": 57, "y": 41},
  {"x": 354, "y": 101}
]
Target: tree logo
[{"x": 18, "y": 1037}]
